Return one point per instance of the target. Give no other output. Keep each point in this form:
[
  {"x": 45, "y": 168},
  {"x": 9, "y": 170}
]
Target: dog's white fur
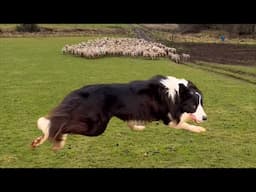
[
  {"x": 136, "y": 125},
  {"x": 183, "y": 125},
  {"x": 172, "y": 85},
  {"x": 199, "y": 114},
  {"x": 43, "y": 124}
]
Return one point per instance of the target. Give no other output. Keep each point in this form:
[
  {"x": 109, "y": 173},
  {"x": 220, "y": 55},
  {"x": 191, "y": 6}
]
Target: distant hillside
[
  {"x": 162, "y": 27},
  {"x": 235, "y": 29}
]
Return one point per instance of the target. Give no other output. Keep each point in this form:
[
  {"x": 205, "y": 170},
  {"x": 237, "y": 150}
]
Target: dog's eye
[{"x": 194, "y": 106}]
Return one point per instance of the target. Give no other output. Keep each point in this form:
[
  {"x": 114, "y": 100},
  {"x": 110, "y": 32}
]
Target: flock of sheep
[{"x": 124, "y": 47}]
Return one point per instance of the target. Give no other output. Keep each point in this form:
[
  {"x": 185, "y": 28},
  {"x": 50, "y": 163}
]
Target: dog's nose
[{"x": 204, "y": 118}]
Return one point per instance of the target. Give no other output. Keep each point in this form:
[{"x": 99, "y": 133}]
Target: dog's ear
[{"x": 184, "y": 92}]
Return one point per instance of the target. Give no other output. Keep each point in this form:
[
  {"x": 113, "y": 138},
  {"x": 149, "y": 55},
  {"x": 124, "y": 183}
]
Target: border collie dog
[{"x": 87, "y": 111}]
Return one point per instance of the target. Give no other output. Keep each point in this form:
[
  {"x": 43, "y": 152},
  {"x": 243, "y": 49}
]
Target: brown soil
[{"x": 219, "y": 53}]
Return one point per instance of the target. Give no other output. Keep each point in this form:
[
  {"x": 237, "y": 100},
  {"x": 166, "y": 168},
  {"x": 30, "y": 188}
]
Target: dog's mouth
[{"x": 193, "y": 117}]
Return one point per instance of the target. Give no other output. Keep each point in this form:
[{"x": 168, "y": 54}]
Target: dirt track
[
  {"x": 142, "y": 34},
  {"x": 220, "y": 53}
]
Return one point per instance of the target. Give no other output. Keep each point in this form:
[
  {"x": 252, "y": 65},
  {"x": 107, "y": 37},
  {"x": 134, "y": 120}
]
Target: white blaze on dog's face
[{"x": 199, "y": 115}]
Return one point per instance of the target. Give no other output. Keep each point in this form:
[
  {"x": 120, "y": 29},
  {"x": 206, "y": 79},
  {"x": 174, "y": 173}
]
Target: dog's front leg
[
  {"x": 186, "y": 126},
  {"x": 183, "y": 125},
  {"x": 136, "y": 125}
]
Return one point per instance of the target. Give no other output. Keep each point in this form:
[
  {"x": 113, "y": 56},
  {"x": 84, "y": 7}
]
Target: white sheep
[
  {"x": 119, "y": 47},
  {"x": 175, "y": 57},
  {"x": 185, "y": 57}
]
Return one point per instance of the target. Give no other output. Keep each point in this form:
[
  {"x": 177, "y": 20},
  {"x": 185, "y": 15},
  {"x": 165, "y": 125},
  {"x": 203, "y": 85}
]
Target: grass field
[
  {"x": 244, "y": 73},
  {"x": 35, "y": 76},
  {"x": 245, "y": 70},
  {"x": 203, "y": 37}
]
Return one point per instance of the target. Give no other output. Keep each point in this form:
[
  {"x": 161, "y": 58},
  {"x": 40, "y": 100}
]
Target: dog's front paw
[{"x": 198, "y": 129}]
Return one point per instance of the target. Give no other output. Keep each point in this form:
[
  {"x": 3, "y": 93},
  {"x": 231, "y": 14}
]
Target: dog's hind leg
[
  {"x": 60, "y": 142},
  {"x": 44, "y": 125}
]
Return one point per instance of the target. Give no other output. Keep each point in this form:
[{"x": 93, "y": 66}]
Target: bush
[{"x": 27, "y": 28}]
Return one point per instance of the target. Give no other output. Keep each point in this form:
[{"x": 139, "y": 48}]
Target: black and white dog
[{"x": 87, "y": 111}]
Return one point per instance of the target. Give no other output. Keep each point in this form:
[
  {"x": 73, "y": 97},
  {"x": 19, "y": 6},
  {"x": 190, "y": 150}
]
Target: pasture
[{"x": 35, "y": 76}]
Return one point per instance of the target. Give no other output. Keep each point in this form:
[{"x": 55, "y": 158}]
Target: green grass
[
  {"x": 251, "y": 71},
  {"x": 35, "y": 76},
  {"x": 202, "y": 37},
  {"x": 244, "y": 73},
  {"x": 8, "y": 26}
]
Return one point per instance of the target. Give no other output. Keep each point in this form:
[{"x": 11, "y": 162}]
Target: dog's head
[
  {"x": 191, "y": 101},
  {"x": 186, "y": 96}
]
